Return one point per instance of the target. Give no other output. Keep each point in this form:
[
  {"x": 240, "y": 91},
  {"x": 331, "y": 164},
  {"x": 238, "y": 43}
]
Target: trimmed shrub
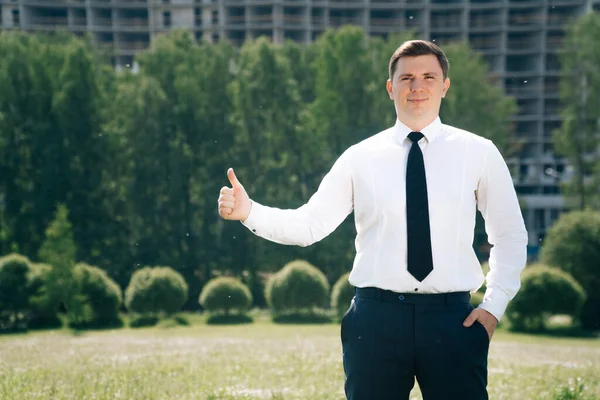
[
  {"x": 225, "y": 295},
  {"x": 14, "y": 292},
  {"x": 545, "y": 291},
  {"x": 101, "y": 294},
  {"x": 341, "y": 295},
  {"x": 573, "y": 245},
  {"x": 155, "y": 291},
  {"x": 297, "y": 287},
  {"x": 44, "y": 307}
]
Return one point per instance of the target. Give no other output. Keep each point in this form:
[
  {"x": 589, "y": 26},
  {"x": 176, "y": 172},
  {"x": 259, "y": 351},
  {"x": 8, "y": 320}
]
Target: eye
[{"x": 429, "y": 77}]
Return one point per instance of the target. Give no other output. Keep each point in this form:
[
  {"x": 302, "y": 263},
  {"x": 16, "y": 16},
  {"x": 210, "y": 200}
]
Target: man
[{"x": 414, "y": 189}]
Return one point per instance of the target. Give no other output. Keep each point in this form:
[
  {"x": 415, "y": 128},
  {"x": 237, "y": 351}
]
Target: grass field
[{"x": 254, "y": 361}]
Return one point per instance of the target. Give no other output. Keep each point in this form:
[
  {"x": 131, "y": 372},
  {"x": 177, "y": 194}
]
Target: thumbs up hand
[{"x": 234, "y": 203}]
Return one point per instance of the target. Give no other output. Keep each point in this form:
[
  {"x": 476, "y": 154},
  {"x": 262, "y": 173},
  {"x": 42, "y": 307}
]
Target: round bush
[
  {"x": 298, "y": 286},
  {"x": 44, "y": 308},
  {"x": 341, "y": 295},
  {"x": 224, "y": 295},
  {"x": 14, "y": 292},
  {"x": 14, "y": 283},
  {"x": 156, "y": 290},
  {"x": 102, "y": 294},
  {"x": 573, "y": 245},
  {"x": 545, "y": 291}
]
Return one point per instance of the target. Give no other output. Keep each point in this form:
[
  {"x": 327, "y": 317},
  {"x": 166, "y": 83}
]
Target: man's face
[{"x": 417, "y": 88}]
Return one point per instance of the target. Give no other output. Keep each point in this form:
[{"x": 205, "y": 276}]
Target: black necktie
[{"x": 420, "y": 262}]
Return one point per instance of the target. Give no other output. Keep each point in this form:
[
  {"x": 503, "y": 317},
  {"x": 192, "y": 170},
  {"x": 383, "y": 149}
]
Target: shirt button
[
  {"x": 253, "y": 230},
  {"x": 416, "y": 289},
  {"x": 401, "y": 297}
]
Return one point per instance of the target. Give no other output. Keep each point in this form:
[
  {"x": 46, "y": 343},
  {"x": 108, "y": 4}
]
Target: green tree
[
  {"x": 269, "y": 151},
  {"x": 59, "y": 251},
  {"x": 473, "y": 102},
  {"x": 172, "y": 118},
  {"x": 578, "y": 136},
  {"x": 31, "y": 161},
  {"x": 52, "y": 92},
  {"x": 77, "y": 103}
]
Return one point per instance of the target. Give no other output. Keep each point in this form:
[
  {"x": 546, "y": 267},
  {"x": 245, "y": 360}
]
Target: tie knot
[{"x": 415, "y": 136}]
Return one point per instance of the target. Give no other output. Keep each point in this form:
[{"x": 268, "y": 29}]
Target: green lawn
[{"x": 255, "y": 361}]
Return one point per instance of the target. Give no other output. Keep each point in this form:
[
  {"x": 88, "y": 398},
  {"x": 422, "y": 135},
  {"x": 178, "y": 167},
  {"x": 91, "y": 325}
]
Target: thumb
[
  {"x": 472, "y": 317},
  {"x": 233, "y": 179}
]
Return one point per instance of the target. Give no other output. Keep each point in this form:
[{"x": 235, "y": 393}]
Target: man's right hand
[{"x": 234, "y": 203}]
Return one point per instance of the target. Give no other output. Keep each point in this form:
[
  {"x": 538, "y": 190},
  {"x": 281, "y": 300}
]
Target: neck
[{"x": 417, "y": 125}]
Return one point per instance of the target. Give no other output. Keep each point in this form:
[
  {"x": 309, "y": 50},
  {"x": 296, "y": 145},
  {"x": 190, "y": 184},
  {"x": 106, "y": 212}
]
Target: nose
[{"x": 416, "y": 85}]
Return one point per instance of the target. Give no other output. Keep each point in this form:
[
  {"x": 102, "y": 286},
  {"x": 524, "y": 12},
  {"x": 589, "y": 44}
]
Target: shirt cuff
[
  {"x": 495, "y": 302},
  {"x": 254, "y": 217}
]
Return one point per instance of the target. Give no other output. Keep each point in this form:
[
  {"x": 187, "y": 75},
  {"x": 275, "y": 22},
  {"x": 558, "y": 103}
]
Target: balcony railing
[
  {"x": 524, "y": 20},
  {"x": 522, "y": 44},
  {"x": 49, "y": 21},
  {"x": 133, "y": 46},
  {"x": 484, "y": 22},
  {"x": 102, "y": 21},
  {"x": 485, "y": 44},
  {"x": 294, "y": 20},
  {"x": 237, "y": 20},
  {"x": 386, "y": 22},
  {"x": 446, "y": 23},
  {"x": 54, "y": 3},
  {"x": 318, "y": 21},
  {"x": 80, "y": 21},
  {"x": 130, "y": 3},
  {"x": 132, "y": 22},
  {"x": 523, "y": 90},
  {"x": 339, "y": 21}
]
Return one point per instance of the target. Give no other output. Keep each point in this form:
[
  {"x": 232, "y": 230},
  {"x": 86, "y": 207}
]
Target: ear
[
  {"x": 388, "y": 86},
  {"x": 446, "y": 87}
]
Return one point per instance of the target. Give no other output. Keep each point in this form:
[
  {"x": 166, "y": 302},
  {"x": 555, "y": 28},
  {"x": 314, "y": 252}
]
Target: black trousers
[{"x": 389, "y": 339}]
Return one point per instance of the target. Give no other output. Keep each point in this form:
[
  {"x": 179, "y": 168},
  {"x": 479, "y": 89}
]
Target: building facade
[{"x": 519, "y": 39}]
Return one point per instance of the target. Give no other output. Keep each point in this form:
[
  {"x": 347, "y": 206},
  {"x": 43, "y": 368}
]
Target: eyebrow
[{"x": 425, "y": 73}]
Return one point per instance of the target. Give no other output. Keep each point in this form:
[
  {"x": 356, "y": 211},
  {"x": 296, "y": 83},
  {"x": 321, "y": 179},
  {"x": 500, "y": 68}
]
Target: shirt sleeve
[
  {"x": 327, "y": 208},
  {"x": 505, "y": 228}
]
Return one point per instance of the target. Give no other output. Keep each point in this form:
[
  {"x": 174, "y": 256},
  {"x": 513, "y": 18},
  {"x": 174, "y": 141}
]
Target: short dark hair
[{"x": 413, "y": 48}]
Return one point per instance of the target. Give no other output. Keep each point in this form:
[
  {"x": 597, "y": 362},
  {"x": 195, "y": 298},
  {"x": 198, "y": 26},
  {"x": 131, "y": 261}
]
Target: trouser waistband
[{"x": 413, "y": 298}]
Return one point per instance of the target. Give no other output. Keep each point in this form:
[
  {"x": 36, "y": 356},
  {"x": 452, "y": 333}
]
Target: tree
[
  {"x": 76, "y": 104},
  {"x": 59, "y": 251},
  {"x": 31, "y": 161},
  {"x": 473, "y": 102},
  {"x": 270, "y": 154},
  {"x": 578, "y": 138},
  {"x": 173, "y": 166},
  {"x": 52, "y": 92}
]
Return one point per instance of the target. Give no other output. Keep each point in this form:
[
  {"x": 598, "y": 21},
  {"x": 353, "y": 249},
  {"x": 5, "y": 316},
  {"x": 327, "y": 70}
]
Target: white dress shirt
[{"x": 463, "y": 171}]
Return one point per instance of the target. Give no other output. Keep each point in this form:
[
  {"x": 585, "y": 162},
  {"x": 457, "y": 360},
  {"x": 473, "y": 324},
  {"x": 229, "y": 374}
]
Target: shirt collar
[{"x": 430, "y": 132}]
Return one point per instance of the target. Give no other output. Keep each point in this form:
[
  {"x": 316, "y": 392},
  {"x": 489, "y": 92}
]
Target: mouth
[{"x": 417, "y": 100}]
